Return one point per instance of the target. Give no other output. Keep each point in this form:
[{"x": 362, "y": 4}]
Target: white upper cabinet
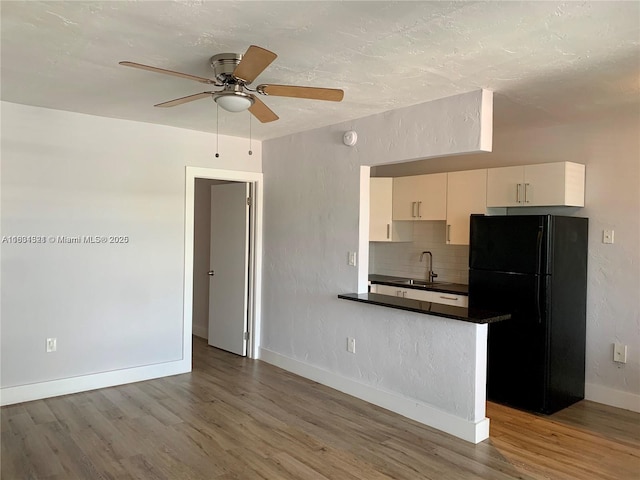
[
  {"x": 382, "y": 228},
  {"x": 420, "y": 197},
  {"x": 546, "y": 184},
  {"x": 466, "y": 194}
]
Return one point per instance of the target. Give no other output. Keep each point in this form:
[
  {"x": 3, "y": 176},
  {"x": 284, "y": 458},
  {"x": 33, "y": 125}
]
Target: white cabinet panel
[
  {"x": 466, "y": 194},
  {"x": 382, "y": 228},
  {"x": 504, "y": 185},
  {"x": 388, "y": 290},
  {"x": 551, "y": 184},
  {"x": 438, "y": 297},
  {"x": 423, "y": 295},
  {"x": 420, "y": 197},
  {"x": 547, "y": 184}
]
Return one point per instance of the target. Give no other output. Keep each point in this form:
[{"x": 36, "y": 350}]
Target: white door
[{"x": 229, "y": 267}]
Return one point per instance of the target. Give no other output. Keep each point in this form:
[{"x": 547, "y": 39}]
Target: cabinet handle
[
  {"x": 404, "y": 294},
  {"x": 398, "y": 292},
  {"x": 419, "y": 203},
  {"x": 518, "y": 192},
  {"x": 413, "y": 209},
  {"x": 448, "y": 233},
  {"x": 526, "y": 189},
  {"x": 448, "y": 298},
  {"x": 388, "y": 228}
]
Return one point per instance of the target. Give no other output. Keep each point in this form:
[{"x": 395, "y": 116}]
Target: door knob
[{"x": 211, "y": 273}]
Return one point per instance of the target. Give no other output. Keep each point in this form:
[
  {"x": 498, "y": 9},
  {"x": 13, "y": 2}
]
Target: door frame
[{"x": 255, "y": 180}]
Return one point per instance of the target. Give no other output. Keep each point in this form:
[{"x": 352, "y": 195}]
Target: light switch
[
  {"x": 619, "y": 353},
  {"x": 352, "y": 261},
  {"x": 607, "y": 236}
]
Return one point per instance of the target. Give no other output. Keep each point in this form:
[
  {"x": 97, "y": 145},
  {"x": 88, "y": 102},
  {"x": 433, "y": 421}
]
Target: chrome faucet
[{"x": 430, "y": 274}]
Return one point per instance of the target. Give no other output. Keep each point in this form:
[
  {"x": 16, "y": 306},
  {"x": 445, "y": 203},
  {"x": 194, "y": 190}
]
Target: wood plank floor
[{"x": 235, "y": 418}]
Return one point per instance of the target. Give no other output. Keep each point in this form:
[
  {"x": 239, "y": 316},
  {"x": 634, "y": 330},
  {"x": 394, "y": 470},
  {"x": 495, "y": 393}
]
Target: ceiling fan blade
[
  {"x": 180, "y": 101},
  {"x": 167, "y": 72},
  {"x": 314, "y": 93},
  {"x": 253, "y": 62},
  {"x": 261, "y": 111}
]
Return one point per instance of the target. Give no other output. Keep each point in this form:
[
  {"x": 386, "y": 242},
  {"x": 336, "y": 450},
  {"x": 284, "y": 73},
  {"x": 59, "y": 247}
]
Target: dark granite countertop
[
  {"x": 444, "y": 287},
  {"x": 430, "y": 308}
]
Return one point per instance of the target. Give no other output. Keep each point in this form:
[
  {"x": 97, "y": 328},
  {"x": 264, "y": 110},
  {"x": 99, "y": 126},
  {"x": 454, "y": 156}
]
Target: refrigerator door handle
[
  {"x": 538, "y": 274},
  {"x": 537, "y": 293}
]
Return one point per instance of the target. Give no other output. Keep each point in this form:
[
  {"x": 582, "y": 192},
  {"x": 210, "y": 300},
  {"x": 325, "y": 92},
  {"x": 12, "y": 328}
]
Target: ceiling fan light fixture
[{"x": 234, "y": 101}]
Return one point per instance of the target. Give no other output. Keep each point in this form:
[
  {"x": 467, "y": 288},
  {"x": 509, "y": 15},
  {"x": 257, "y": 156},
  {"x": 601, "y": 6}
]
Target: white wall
[
  {"x": 112, "y": 307},
  {"x": 311, "y": 221},
  {"x": 610, "y": 148}
]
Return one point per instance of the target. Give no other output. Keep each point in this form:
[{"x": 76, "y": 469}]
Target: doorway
[{"x": 253, "y": 181}]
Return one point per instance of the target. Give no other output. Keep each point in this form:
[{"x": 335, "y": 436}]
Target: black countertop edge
[
  {"x": 430, "y": 308},
  {"x": 453, "y": 288}
]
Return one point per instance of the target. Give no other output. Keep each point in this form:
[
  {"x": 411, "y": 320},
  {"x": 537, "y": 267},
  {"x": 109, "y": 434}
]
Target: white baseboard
[
  {"x": 65, "y": 386},
  {"x": 424, "y": 413},
  {"x": 201, "y": 331},
  {"x": 614, "y": 398}
]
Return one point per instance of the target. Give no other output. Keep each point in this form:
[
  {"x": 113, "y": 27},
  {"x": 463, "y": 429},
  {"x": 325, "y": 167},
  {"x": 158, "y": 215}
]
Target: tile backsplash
[{"x": 450, "y": 262}]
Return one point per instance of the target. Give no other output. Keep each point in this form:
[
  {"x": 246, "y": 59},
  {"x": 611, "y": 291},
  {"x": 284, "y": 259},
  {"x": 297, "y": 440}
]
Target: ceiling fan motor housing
[{"x": 223, "y": 65}]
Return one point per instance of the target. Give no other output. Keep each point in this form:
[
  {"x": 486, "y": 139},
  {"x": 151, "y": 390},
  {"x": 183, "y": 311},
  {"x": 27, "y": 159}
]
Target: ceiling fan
[{"x": 234, "y": 72}]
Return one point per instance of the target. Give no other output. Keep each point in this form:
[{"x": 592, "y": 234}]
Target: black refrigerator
[{"x": 534, "y": 267}]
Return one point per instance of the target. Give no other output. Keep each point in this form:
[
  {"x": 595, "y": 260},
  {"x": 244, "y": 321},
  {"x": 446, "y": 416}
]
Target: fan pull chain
[
  {"x": 217, "y": 108},
  {"x": 250, "y": 152}
]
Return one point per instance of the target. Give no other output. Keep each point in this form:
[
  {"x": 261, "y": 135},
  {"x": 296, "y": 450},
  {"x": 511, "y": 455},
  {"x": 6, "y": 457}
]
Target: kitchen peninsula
[
  {"x": 444, "y": 351},
  {"x": 438, "y": 355},
  {"x": 441, "y": 299},
  {"x": 463, "y": 314}
]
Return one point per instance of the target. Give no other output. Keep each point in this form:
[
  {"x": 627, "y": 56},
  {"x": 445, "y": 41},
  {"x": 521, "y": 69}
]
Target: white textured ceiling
[{"x": 546, "y": 61}]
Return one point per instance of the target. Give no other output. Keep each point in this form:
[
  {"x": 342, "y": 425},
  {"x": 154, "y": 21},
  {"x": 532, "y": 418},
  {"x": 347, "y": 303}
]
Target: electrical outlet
[
  {"x": 351, "y": 345},
  {"x": 619, "y": 353},
  {"x": 607, "y": 236},
  {"x": 51, "y": 345}
]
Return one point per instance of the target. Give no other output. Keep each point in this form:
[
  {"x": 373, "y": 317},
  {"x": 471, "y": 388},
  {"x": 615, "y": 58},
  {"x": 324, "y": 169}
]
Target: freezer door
[
  {"x": 516, "y": 243},
  {"x": 517, "y": 358}
]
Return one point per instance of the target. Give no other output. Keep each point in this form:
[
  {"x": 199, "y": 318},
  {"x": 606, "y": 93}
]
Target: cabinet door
[
  {"x": 406, "y": 197},
  {"x": 451, "y": 299},
  {"x": 389, "y": 290},
  {"x": 420, "y": 197},
  {"x": 380, "y": 206},
  {"x": 466, "y": 194},
  {"x": 381, "y": 226},
  {"x": 504, "y": 186},
  {"x": 544, "y": 184},
  {"x": 432, "y": 197},
  {"x": 437, "y": 297}
]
